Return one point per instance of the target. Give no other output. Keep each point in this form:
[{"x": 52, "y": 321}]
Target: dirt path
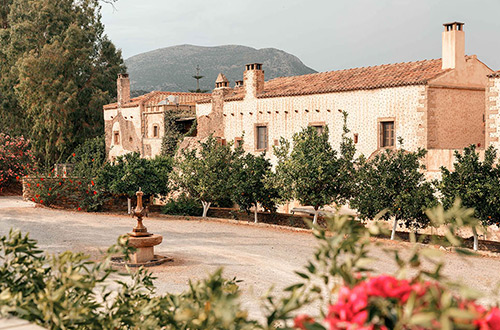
[{"x": 261, "y": 257}]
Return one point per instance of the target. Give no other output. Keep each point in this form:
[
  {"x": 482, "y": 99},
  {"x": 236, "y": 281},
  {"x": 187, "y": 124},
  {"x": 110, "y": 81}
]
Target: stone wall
[
  {"x": 287, "y": 115},
  {"x": 455, "y": 117},
  {"x": 126, "y": 121},
  {"x": 492, "y": 111}
]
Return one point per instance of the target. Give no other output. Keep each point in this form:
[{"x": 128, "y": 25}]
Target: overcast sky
[{"x": 324, "y": 34}]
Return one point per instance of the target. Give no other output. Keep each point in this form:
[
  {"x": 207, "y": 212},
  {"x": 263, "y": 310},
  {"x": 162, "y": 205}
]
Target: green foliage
[
  {"x": 16, "y": 159},
  {"x": 171, "y": 133},
  {"x": 205, "y": 173},
  {"x": 68, "y": 291},
  {"x": 475, "y": 182},
  {"x": 130, "y": 172},
  {"x": 88, "y": 158},
  {"x": 312, "y": 172},
  {"x": 252, "y": 183},
  {"x": 394, "y": 181},
  {"x": 62, "y": 73},
  {"x": 182, "y": 205}
]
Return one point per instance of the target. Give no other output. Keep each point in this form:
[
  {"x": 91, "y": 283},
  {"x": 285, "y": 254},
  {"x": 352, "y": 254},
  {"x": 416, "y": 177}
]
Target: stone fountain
[{"x": 142, "y": 240}]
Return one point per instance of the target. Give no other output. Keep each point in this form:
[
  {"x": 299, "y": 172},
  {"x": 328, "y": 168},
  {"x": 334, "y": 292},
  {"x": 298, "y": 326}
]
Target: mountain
[{"x": 172, "y": 68}]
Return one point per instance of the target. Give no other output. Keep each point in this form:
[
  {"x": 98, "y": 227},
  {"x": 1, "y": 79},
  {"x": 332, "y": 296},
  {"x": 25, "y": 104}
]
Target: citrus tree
[
  {"x": 312, "y": 172},
  {"x": 476, "y": 183},
  {"x": 394, "y": 181},
  {"x": 252, "y": 184},
  {"x": 204, "y": 172}
]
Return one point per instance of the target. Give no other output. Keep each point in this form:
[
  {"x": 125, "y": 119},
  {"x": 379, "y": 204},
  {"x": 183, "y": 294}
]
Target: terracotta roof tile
[
  {"x": 221, "y": 78},
  {"x": 155, "y": 97},
  {"x": 382, "y": 76}
]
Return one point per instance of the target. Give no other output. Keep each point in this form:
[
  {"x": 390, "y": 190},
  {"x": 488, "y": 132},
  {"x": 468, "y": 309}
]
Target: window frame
[
  {"x": 116, "y": 137},
  {"x": 256, "y": 137},
  {"x": 317, "y": 125},
  {"x": 157, "y": 127},
  {"x": 381, "y": 132}
]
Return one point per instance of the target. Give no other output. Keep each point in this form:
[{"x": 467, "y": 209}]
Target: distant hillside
[{"x": 172, "y": 68}]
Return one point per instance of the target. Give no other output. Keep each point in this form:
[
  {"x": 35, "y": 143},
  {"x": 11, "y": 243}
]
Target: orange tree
[
  {"x": 476, "y": 183},
  {"x": 252, "y": 184},
  {"x": 312, "y": 172},
  {"x": 394, "y": 181}
]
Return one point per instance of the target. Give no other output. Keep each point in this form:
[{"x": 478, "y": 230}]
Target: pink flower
[
  {"x": 389, "y": 287},
  {"x": 491, "y": 321}
]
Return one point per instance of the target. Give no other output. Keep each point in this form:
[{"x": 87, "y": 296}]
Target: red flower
[
  {"x": 388, "y": 287},
  {"x": 50, "y": 188},
  {"x": 92, "y": 182},
  {"x": 17, "y": 177},
  {"x": 300, "y": 320},
  {"x": 41, "y": 201},
  {"x": 79, "y": 182},
  {"x": 29, "y": 185},
  {"x": 74, "y": 154},
  {"x": 79, "y": 208},
  {"x": 60, "y": 183},
  {"x": 33, "y": 199},
  {"x": 491, "y": 321},
  {"x": 38, "y": 185},
  {"x": 41, "y": 179},
  {"x": 95, "y": 192}
]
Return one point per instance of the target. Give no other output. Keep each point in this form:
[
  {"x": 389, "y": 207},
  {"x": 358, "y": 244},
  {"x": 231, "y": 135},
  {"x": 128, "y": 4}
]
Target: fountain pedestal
[{"x": 144, "y": 248}]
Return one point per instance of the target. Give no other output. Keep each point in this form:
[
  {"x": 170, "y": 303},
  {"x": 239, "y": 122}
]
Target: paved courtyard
[{"x": 259, "y": 256}]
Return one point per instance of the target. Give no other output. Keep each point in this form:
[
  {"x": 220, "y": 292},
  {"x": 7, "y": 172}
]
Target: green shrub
[{"x": 182, "y": 205}]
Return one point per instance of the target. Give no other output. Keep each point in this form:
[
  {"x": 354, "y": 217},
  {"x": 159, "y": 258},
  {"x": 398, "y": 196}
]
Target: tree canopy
[
  {"x": 393, "y": 181},
  {"x": 57, "y": 70}
]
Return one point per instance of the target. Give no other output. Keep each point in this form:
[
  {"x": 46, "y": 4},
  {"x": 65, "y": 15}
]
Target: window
[
  {"x": 116, "y": 137},
  {"x": 386, "y": 134},
  {"x": 355, "y": 137},
  {"x": 319, "y": 126},
  {"x": 261, "y": 137},
  {"x": 238, "y": 142},
  {"x": 156, "y": 131}
]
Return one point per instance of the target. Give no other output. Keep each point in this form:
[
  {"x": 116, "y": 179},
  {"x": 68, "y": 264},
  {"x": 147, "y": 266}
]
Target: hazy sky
[{"x": 324, "y": 34}]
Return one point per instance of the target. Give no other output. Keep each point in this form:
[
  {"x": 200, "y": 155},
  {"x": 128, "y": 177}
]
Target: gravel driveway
[{"x": 259, "y": 256}]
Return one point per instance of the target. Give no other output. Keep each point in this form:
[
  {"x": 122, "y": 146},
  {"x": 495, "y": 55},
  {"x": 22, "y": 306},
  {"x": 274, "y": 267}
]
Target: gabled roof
[
  {"x": 372, "y": 77},
  {"x": 153, "y": 98}
]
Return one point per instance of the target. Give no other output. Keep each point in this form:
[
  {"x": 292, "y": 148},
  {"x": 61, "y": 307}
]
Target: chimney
[
  {"x": 238, "y": 83},
  {"x": 253, "y": 79},
  {"x": 453, "y": 45},
  {"x": 221, "y": 81},
  {"x": 123, "y": 88}
]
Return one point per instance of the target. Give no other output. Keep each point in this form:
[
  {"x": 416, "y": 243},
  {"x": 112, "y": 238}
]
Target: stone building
[
  {"x": 434, "y": 104},
  {"x": 137, "y": 124}
]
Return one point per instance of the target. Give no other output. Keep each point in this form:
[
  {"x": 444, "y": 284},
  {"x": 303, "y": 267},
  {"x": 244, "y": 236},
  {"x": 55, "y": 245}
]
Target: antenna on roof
[{"x": 197, "y": 76}]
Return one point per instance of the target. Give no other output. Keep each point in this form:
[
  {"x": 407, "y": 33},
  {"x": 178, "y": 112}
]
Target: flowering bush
[
  {"x": 80, "y": 193},
  {"x": 379, "y": 302},
  {"x": 16, "y": 159}
]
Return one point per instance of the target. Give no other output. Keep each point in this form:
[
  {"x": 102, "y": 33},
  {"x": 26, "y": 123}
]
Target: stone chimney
[
  {"x": 453, "y": 45},
  {"x": 123, "y": 89},
  {"x": 253, "y": 79},
  {"x": 221, "y": 81}
]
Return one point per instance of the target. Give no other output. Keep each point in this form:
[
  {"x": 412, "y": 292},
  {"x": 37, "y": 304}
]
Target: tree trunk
[
  {"x": 255, "y": 212},
  {"x": 129, "y": 205},
  {"x": 476, "y": 243},
  {"x": 315, "y": 219},
  {"x": 393, "y": 233},
  {"x": 206, "y": 206}
]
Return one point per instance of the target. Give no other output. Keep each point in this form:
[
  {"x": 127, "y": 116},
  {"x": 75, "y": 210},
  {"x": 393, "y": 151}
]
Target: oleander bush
[
  {"x": 68, "y": 291},
  {"x": 16, "y": 159}
]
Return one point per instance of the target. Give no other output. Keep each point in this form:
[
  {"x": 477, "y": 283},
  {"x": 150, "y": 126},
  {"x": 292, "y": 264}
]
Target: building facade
[
  {"x": 137, "y": 124},
  {"x": 439, "y": 105}
]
